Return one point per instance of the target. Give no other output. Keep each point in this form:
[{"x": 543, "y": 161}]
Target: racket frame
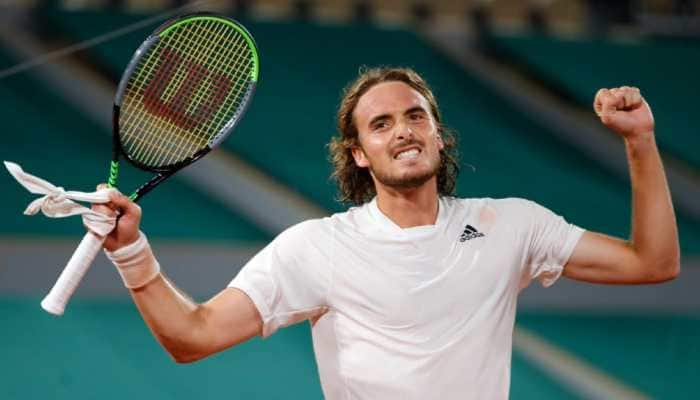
[{"x": 166, "y": 171}]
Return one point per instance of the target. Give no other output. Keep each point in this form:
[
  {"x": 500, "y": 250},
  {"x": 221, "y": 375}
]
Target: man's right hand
[{"x": 128, "y": 216}]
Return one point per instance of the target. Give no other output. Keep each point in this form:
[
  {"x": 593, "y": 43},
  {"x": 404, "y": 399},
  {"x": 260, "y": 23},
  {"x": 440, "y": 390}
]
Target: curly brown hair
[{"x": 355, "y": 184}]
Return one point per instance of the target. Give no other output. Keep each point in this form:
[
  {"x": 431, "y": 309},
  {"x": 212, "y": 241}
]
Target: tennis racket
[{"x": 184, "y": 90}]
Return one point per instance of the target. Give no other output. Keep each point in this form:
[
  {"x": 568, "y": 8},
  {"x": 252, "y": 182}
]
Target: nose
[{"x": 404, "y": 132}]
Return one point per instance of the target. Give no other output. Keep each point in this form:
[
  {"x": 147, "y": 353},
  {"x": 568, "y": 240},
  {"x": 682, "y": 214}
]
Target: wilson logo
[
  {"x": 190, "y": 76},
  {"x": 470, "y": 233}
]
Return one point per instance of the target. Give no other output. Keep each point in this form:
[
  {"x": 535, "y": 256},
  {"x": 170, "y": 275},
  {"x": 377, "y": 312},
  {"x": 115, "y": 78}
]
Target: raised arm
[
  {"x": 652, "y": 254},
  {"x": 187, "y": 330}
]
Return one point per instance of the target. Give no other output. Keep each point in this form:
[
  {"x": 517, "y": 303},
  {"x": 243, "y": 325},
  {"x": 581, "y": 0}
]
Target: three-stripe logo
[{"x": 470, "y": 233}]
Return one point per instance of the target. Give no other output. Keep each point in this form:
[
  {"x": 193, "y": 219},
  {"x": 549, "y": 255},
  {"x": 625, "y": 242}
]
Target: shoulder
[
  {"x": 305, "y": 230},
  {"x": 315, "y": 229},
  {"x": 353, "y": 218},
  {"x": 503, "y": 205},
  {"x": 513, "y": 211},
  {"x": 526, "y": 214},
  {"x": 513, "y": 205},
  {"x": 301, "y": 240}
]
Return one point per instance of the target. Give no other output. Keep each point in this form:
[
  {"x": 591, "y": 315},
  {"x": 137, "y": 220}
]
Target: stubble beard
[{"x": 407, "y": 181}]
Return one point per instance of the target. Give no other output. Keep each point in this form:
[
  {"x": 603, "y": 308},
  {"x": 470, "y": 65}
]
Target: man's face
[{"x": 399, "y": 140}]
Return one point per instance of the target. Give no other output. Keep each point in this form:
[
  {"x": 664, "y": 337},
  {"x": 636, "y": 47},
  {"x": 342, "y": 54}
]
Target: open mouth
[{"x": 407, "y": 154}]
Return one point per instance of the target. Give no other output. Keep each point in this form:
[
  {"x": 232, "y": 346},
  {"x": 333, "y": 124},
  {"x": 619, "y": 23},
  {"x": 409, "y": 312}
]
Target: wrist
[
  {"x": 135, "y": 263},
  {"x": 641, "y": 142}
]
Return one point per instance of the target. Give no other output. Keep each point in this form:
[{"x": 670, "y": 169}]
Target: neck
[{"x": 409, "y": 207}]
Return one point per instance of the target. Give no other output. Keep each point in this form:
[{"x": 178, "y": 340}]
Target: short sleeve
[
  {"x": 549, "y": 241},
  {"x": 288, "y": 280}
]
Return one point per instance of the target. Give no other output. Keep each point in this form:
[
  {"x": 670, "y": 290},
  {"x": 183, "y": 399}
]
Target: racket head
[{"x": 184, "y": 91}]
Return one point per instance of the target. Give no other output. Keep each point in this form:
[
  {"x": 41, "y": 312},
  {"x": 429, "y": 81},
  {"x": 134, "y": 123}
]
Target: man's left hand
[{"x": 625, "y": 111}]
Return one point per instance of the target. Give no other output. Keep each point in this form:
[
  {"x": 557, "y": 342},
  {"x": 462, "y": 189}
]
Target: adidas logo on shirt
[{"x": 470, "y": 233}]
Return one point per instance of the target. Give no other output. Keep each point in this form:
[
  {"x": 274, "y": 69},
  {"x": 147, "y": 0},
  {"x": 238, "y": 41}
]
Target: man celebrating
[{"x": 411, "y": 294}]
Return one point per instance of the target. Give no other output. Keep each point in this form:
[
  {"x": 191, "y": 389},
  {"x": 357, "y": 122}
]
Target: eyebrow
[
  {"x": 415, "y": 109},
  {"x": 407, "y": 112}
]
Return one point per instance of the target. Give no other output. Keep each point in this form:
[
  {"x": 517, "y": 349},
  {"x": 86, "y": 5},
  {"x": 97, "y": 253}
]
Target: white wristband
[{"x": 135, "y": 263}]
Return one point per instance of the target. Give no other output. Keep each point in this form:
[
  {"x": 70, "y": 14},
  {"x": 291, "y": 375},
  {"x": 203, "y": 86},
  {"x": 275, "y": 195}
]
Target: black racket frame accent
[{"x": 166, "y": 171}]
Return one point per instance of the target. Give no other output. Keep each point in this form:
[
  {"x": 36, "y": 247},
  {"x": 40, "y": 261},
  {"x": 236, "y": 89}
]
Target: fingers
[
  {"x": 128, "y": 216},
  {"x": 121, "y": 201},
  {"x": 631, "y": 96},
  {"x": 608, "y": 101},
  {"x": 108, "y": 208},
  {"x": 119, "y": 204},
  {"x": 604, "y": 103}
]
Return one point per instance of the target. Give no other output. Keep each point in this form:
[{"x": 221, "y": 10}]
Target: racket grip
[{"x": 55, "y": 302}]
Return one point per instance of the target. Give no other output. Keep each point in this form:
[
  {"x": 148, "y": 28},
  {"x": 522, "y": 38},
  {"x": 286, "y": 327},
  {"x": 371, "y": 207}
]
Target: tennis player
[{"x": 412, "y": 294}]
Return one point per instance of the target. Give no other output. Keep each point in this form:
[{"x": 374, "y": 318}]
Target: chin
[{"x": 406, "y": 181}]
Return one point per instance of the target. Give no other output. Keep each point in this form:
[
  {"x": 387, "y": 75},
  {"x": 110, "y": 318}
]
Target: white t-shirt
[{"x": 417, "y": 313}]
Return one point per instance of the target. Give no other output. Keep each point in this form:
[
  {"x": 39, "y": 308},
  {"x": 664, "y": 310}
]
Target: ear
[
  {"x": 438, "y": 137},
  {"x": 360, "y": 158}
]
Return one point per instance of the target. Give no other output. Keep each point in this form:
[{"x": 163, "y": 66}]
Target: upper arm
[
  {"x": 284, "y": 283},
  {"x": 289, "y": 280},
  {"x": 547, "y": 241},
  {"x": 600, "y": 258}
]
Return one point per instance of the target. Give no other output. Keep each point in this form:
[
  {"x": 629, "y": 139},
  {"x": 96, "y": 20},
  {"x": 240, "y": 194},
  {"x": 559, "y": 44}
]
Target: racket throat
[
  {"x": 148, "y": 186},
  {"x": 113, "y": 174}
]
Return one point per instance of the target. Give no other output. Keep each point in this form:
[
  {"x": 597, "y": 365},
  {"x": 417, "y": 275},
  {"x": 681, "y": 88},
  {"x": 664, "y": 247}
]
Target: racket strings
[
  {"x": 187, "y": 142},
  {"x": 133, "y": 100},
  {"x": 237, "y": 47},
  {"x": 233, "y": 100},
  {"x": 240, "y": 81},
  {"x": 176, "y": 147},
  {"x": 236, "y": 70},
  {"x": 139, "y": 133},
  {"x": 215, "y": 89},
  {"x": 139, "y": 143},
  {"x": 199, "y": 83},
  {"x": 208, "y": 87}
]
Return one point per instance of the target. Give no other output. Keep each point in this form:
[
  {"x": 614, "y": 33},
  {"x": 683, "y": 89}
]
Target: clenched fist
[
  {"x": 128, "y": 216},
  {"x": 625, "y": 111}
]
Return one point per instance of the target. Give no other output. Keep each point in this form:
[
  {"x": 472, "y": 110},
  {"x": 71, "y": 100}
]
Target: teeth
[{"x": 407, "y": 154}]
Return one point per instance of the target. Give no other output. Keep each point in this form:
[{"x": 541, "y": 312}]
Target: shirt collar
[{"x": 380, "y": 218}]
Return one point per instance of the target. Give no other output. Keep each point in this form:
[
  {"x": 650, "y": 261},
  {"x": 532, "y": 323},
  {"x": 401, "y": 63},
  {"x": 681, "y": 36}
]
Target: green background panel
[
  {"x": 658, "y": 354},
  {"x": 665, "y": 70}
]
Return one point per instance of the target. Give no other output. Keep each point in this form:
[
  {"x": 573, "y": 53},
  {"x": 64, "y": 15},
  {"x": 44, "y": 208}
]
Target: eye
[
  {"x": 417, "y": 116},
  {"x": 380, "y": 124}
]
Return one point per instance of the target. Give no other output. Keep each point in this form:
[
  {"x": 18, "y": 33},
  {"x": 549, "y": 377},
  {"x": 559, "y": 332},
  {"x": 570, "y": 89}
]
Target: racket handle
[{"x": 55, "y": 302}]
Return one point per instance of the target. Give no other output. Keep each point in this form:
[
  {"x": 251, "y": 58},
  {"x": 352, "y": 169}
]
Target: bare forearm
[
  {"x": 174, "y": 319},
  {"x": 654, "y": 231},
  {"x": 652, "y": 255},
  {"x": 188, "y": 331},
  {"x": 191, "y": 331}
]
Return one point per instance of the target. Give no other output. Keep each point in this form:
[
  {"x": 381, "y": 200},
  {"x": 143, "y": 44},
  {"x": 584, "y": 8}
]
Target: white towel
[{"x": 58, "y": 203}]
